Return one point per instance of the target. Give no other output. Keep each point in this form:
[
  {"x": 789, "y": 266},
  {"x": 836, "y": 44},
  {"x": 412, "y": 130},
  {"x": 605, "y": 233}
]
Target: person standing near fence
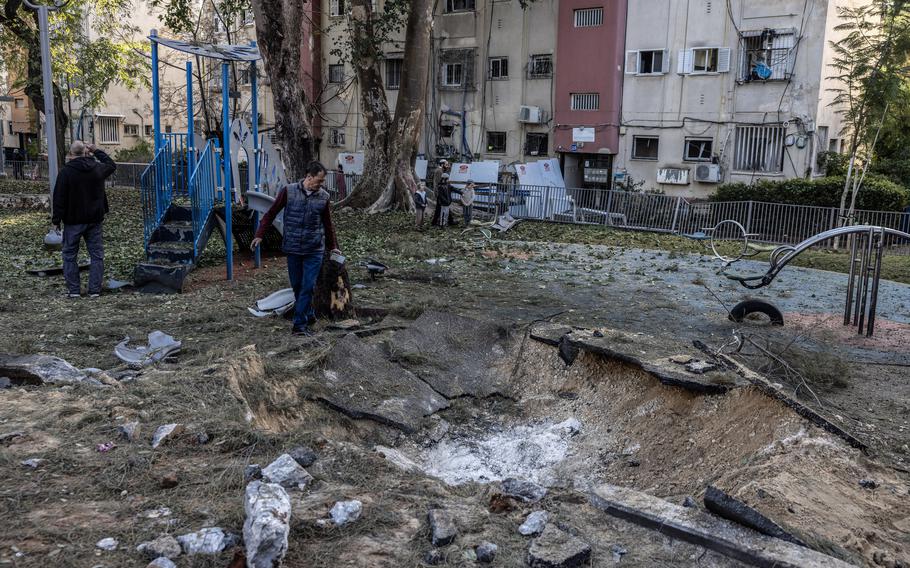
[
  {"x": 80, "y": 203},
  {"x": 340, "y": 183},
  {"x": 308, "y": 233},
  {"x": 444, "y": 200},
  {"x": 17, "y": 163},
  {"x": 467, "y": 201},
  {"x": 420, "y": 204}
]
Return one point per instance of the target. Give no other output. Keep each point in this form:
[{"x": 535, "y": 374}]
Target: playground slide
[{"x": 261, "y": 202}]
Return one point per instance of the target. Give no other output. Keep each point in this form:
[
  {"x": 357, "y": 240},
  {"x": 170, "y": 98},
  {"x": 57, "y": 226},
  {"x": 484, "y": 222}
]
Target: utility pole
[{"x": 50, "y": 119}]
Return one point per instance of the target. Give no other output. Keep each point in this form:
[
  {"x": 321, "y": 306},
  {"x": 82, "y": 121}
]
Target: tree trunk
[
  {"x": 284, "y": 31},
  {"x": 332, "y": 295},
  {"x": 392, "y": 168}
]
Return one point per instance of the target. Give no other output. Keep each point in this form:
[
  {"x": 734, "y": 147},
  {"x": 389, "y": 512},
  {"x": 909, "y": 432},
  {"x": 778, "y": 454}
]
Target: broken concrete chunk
[
  {"x": 40, "y": 370},
  {"x": 527, "y": 491},
  {"x": 700, "y": 367},
  {"x": 534, "y": 524},
  {"x": 210, "y": 540},
  {"x": 267, "y": 524},
  {"x": 107, "y": 544},
  {"x": 33, "y": 462},
  {"x": 252, "y": 471},
  {"x": 286, "y": 472},
  {"x": 346, "y": 512},
  {"x": 161, "y": 563},
  {"x": 165, "y": 433},
  {"x": 555, "y": 548},
  {"x": 442, "y": 527},
  {"x": 164, "y": 546},
  {"x": 128, "y": 431},
  {"x": 486, "y": 552},
  {"x": 735, "y": 510},
  {"x": 303, "y": 455}
]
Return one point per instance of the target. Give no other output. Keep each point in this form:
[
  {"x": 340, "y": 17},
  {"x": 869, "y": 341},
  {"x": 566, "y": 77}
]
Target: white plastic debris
[
  {"x": 54, "y": 237},
  {"x": 275, "y": 304},
  {"x": 160, "y": 345},
  {"x": 107, "y": 544}
]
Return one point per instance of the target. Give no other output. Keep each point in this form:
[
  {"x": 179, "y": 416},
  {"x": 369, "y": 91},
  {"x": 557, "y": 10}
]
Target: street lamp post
[{"x": 50, "y": 119}]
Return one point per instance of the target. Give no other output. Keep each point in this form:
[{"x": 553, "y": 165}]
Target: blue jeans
[
  {"x": 303, "y": 270},
  {"x": 72, "y": 234}
]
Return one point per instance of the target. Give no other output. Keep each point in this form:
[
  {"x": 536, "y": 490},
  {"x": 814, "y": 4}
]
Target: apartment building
[{"x": 726, "y": 91}]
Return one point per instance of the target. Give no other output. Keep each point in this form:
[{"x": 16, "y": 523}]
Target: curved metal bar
[
  {"x": 784, "y": 254},
  {"x": 56, "y": 5}
]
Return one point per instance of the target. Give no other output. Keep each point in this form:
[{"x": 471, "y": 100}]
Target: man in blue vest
[{"x": 308, "y": 234}]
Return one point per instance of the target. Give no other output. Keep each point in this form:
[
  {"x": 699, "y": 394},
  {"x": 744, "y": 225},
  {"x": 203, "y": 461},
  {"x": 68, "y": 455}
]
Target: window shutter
[
  {"x": 686, "y": 62},
  {"x": 723, "y": 59},
  {"x": 666, "y": 62},
  {"x": 333, "y": 7},
  {"x": 631, "y": 62}
]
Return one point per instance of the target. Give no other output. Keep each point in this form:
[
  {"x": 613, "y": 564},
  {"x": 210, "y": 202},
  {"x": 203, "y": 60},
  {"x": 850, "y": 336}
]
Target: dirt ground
[{"x": 752, "y": 447}]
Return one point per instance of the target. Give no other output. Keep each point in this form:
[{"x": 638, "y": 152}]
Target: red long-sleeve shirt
[{"x": 331, "y": 242}]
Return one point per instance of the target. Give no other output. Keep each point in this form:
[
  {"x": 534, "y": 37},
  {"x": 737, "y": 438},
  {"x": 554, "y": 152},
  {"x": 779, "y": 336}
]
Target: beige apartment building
[{"x": 719, "y": 92}]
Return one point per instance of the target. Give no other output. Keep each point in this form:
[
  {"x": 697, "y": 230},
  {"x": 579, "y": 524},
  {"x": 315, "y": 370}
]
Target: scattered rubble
[
  {"x": 129, "y": 431},
  {"x": 442, "y": 527},
  {"x": 525, "y": 490},
  {"x": 210, "y": 540},
  {"x": 252, "y": 471},
  {"x": 32, "y": 463},
  {"x": 164, "y": 546},
  {"x": 107, "y": 544},
  {"x": 303, "y": 455},
  {"x": 700, "y": 367},
  {"x": 10, "y": 436},
  {"x": 267, "y": 525},
  {"x": 555, "y": 548},
  {"x": 735, "y": 510},
  {"x": 534, "y": 524},
  {"x": 161, "y": 563},
  {"x": 166, "y": 432},
  {"x": 169, "y": 480},
  {"x": 868, "y": 484},
  {"x": 486, "y": 552},
  {"x": 41, "y": 370},
  {"x": 286, "y": 472},
  {"x": 346, "y": 512},
  {"x": 618, "y": 552}
]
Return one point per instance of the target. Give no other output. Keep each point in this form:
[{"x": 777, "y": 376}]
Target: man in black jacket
[{"x": 81, "y": 204}]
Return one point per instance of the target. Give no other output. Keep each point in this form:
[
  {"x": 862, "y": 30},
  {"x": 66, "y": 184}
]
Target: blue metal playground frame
[{"x": 181, "y": 169}]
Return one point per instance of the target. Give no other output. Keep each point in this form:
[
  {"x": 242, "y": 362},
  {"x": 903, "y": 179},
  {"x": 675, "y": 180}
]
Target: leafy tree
[
  {"x": 870, "y": 62},
  {"x": 91, "y": 57}
]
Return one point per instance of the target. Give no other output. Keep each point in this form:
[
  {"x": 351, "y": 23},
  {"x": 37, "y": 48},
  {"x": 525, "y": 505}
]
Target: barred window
[
  {"x": 585, "y": 101},
  {"x": 131, "y": 129},
  {"x": 336, "y": 73},
  {"x": 589, "y": 17},
  {"x": 496, "y": 142},
  {"x": 337, "y": 7},
  {"x": 759, "y": 149},
  {"x": 459, "y": 5},
  {"x": 540, "y": 66},
  {"x": 452, "y": 74},
  {"x": 393, "y": 73},
  {"x": 499, "y": 68},
  {"x": 109, "y": 130},
  {"x": 767, "y": 55},
  {"x": 536, "y": 143}
]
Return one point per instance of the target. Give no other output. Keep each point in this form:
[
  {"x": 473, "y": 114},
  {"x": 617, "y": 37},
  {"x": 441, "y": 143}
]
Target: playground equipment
[
  {"x": 190, "y": 179},
  {"x": 867, "y": 245}
]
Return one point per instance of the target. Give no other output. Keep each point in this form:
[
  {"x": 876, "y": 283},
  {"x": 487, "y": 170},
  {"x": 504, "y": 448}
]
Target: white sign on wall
[
  {"x": 352, "y": 162},
  {"x": 583, "y": 134}
]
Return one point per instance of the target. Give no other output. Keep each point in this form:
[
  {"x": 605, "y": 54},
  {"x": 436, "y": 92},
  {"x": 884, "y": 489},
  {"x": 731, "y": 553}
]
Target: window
[
  {"x": 496, "y": 142},
  {"x": 452, "y": 74},
  {"x": 20, "y": 103},
  {"x": 243, "y": 76},
  {"x": 168, "y": 129},
  {"x": 459, "y": 5},
  {"x": 647, "y": 62},
  {"x": 337, "y": 8},
  {"x": 336, "y": 73},
  {"x": 645, "y": 147},
  {"x": 585, "y": 101},
  {"x": 336, "y": 137},
  {"x": 393, "y": 73},
  {"x": 131, "y": 129},
  {"x": 361, "y": 139},
  {"x": 767, "y": 55},
  {"x": 247, "y": 16},
  {"x": 759, "y": 149},
  {"x": 540, "y": 66},
  {"x": 108, "y": 130},
  {"x": 219, "y": 24},
  {"x": 9, "y": 126},
  {"x": 536, "y": 143},
  {"x": 834, "y": 146},
  {"x": 704, "y": 60},
  {"x": 148, "y": 130},
  {"x": 499, "y": 68},
  {"x": 698, "y": 150},
  {"x": 589, "y": 17}
]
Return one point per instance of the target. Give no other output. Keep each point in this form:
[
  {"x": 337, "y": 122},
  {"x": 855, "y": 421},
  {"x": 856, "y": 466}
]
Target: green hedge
[{"x": 877, "y": 194}]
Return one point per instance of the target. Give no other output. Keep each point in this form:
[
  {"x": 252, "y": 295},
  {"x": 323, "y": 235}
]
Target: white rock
[
  {"x": 570, "y": 426},
  {"x": 33, "y": 463},
  {"x": 107, "y": 544},
  {"x": 211, "y": 540},
  {"x": 265, "y": 531},
  {"x": 286, "y": 472},
  {"x": 534, "y": 523},
  {"x": 162, "y": 433},
  {"x": 161, "y": 563},
  {"x": 345, "y": 512}
]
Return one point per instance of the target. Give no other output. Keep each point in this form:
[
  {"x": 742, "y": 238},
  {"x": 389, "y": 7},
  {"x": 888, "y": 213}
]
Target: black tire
[{"x": 741, "y": 310}]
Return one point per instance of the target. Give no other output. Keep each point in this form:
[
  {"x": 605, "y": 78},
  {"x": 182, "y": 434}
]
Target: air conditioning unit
[
  {"x": 707, "y": 173},
  {"x": 531, "y": 115}
]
